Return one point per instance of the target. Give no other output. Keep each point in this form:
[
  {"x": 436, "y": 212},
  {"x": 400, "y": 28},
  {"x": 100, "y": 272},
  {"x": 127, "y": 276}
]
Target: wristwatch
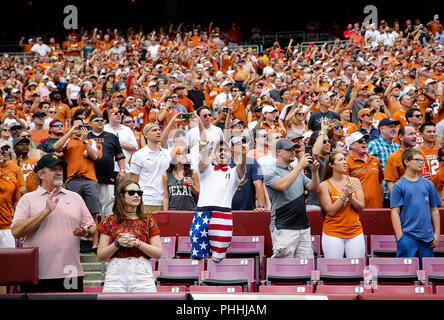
[{"x": 116, "y": 243}]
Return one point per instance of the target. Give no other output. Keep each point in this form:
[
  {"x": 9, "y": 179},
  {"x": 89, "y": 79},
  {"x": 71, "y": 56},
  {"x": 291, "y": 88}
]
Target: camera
[
  {"x": 224, "y": 109},
  {"x": 186, "y": 116},
  {"x": 86, "y": 126}
]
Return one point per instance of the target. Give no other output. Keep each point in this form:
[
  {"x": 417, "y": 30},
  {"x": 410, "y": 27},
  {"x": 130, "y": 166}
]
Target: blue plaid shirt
[{"x": 381, "y": 149}]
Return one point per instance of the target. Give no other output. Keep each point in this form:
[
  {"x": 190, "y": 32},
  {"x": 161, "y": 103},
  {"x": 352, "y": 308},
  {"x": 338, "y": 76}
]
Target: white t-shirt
[
  {"x": 126, "y": 136},
  {"x": 42, "y": 50},
  {"x": 217, "y": 188},
  {"x": 220, "y": 100},
  {"x": 75, "y": 90},
  {"x": 213, "y": 133},
  {"x": 150, "y": 166}
]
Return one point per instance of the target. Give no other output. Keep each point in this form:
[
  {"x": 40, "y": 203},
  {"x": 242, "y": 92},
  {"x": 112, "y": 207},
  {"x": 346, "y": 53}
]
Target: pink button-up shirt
[{"x": 59, "y": 248}]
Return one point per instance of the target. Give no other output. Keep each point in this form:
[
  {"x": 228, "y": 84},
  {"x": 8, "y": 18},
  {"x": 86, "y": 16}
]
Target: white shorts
[
  {"x": 292, "y": 243},
  {"x": 129, "y": 275},
  {"x": 7, "y": 240},
  {"x": 334, "y": 247},
  {"x": 106, "y": 195}
]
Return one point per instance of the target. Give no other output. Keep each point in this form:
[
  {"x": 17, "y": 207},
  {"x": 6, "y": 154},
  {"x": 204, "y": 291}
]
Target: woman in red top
[{"x": 129, "y": 237}]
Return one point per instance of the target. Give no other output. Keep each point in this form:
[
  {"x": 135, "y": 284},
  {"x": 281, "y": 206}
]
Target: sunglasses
[
  {"x": 57, "y": 125},
  {"x": 129, "y": 121},
  {"x": 26, "y": 136},
  {"x": 206, "y": 116},
  {"x": 97, "y": 120},
  {"x": 238, "y": 125},
  {"x": 326, "y": 141},
  {"x": 418, "y": 116},
  {"x": 339, "y": 127},
  {"x": 133, "y": 192},
  {"x": 361, "y": 141},
  {"x": 300, "y": 114}
]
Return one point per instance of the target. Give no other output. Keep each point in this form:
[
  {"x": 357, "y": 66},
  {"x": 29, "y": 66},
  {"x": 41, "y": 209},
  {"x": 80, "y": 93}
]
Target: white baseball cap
[
  {"x": 268, "y": 108},
  {"x": 355, "y": 136}
]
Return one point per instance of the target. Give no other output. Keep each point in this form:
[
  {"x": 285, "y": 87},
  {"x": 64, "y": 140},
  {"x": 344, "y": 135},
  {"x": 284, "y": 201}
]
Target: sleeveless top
[
  {"x": 180, "y": 196},
  {"x": 345, "y": 223}
]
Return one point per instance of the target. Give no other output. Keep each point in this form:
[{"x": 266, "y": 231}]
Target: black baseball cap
[
  {"x": 387, "y": 121},
  {"x": 49, "y": 160},
  {"x": 39, "y": 114}
]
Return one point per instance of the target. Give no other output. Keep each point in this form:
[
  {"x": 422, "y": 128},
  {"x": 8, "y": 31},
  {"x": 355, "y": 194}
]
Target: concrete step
[
  {"x": 93, "y": 266},
  {"x": 89, "y": 258},
  {"x": 93, "y": 276}
]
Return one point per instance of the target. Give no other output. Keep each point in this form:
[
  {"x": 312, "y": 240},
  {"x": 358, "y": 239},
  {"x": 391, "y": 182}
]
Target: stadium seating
[
  {"x": 395, "y": 270},
  {"x": 230, "y": 272},
  {"x": 179, "y": 271},
  {"x": 302, "y": 289},
  {"x": 342, "y": 289},
  {"x": 340, "y": 271},
  {"x": 169, "y": 247},
  {"x": 183, "y": 247},
  {"x": 172, "y": 289},
  {"x": 249, "y": 247},
  {"x": 395, "y": 289},
  {"x": 434, "y": 270},
  {"x": 383, "y": 246},
  {"x": 19, "y": 266},
  {"x": 289, "y": 270},
  {"x": 215, "y": 289}
]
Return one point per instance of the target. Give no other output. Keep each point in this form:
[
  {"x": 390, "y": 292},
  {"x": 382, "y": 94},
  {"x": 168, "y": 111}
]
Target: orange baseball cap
[
  {"x": 114, "y": 110},
  {"x": 117, "y": 94}
]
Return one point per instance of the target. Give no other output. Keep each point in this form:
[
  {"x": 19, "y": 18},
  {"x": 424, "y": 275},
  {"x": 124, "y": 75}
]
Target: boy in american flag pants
[{"x": 212, "y": 226}]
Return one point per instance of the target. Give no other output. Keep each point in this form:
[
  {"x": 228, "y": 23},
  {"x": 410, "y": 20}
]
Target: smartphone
[
  {"x": 86, "y": 126},
  {"x": 186, "y": 116},
  {"x": 244, "y": 140},
  {"x": 224, "y": 109},
  {"x": 309, "y": 150}
]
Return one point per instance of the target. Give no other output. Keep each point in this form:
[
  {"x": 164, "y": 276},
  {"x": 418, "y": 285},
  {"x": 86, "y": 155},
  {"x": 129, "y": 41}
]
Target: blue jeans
[{"x": 407, "y": 247}]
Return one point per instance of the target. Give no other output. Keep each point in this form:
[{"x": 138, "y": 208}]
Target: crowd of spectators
[{"x": 135, "y": 105}]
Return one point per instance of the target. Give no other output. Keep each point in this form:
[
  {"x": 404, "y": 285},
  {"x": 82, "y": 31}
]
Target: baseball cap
[
  {"x": 268, "y": 109},
  {"x": 4, "y": 144},
  {"x": 116, "y": 94},
  {"x": 294, "y": 135},
  {"x": 20, "y": 139},
  {"x": 355, "y": 136},
  {"x": 226, "y": 82},
  {"x": 387, "y": 121},
  {"x": 15, "y": 125},
  {"x": 38, "y": 114},
  {"x": 51, "y": 124},
  {"x": 364, "y": 111},
  {"x": 49, "y": 160},
  {"x": 429, "y": 81},
  {"x": 152, "y": 83},
  {"x": 284, "y": 144}
]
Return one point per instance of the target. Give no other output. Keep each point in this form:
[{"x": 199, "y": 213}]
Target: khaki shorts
[
  {"x": 292, "y": 243},
  {"x": 148, "y": 208}
]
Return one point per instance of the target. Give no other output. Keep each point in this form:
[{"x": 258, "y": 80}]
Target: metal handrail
[{"x": 103, "y": 215}]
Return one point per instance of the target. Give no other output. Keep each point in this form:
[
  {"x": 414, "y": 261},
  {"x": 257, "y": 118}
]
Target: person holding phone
[
  {"x": 80, "y": 154},
  {"x": 129, "y": 239},
  {"x": 341, "y": 198}
]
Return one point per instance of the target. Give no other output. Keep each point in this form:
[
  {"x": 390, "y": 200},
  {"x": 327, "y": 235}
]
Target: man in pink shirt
[{"x": 53, "y": 219}]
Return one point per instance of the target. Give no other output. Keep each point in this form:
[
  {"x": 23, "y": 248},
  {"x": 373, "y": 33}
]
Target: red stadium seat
[
  {"x": 340, "y": 271},
  {"x": 249, "y": 247},
  {"x": 303, "y": 289},
  {"x": 169, "y": 247},
  {"x": 215, "y": 289},
  {"x": 183, "y": 247},
  {"x": 439, "y": 290},
  {"x": 395, "y": 270},
  {"x": 179, "y": 271},
  {"x": 434, "y": 270},
  {"x": 289, "y": 270},
  {"x": 342, "y": 289},
  {"x": 230, "y": 272},
  {"x": 172, "y": 289},
  {"x": 411, "y": 290},
  {"x": 383, "y": 245},
  {"x": 19, "y": 266}
]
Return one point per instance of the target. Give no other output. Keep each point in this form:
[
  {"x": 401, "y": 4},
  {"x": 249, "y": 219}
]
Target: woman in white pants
[
  {"x": 130, "y": 238},
  {"x": 341, "y": 198}
]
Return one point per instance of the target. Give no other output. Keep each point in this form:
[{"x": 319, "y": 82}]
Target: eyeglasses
[
  {"x": 339, "y": 127},
  {"x": 361, "y": 141},
  {"x": 418, "y": 160},
  {"x": 133, "y": 192}
]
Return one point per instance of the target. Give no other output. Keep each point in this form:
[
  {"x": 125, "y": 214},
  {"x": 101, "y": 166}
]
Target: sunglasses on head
[{"x": 133, "y": 192}]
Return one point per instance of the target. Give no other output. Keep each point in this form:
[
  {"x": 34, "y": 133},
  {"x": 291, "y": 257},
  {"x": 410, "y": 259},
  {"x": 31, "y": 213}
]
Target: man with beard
[
  {"x": 56, "y": 131},
  {"x": 26, "y": 164},
  {"x": 53, "y": 219},
  {"x": 394, "y": 169}
]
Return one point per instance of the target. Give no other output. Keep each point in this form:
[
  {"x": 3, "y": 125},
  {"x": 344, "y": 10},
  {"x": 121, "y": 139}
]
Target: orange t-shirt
[
  {"x": 9, "y": 195},
  {"x": 394, "y": 170},
  {"x": 276, "y": 127},
  {"x": 393, "y": 105},
  {"x": 187, "y": 103},
  {"x": 79, "y": 164},
  {"x": 431, "y": 155},
  {"x": 400, "y": 116},
  {"x": 14, "y": 171},
  {"x": 63, "y": 113},
  {"x": 345, "y": 223},
  {"x": 378, "y": 117},
  {"x": 28, "y": 173},
  {"x": 38, "y": 136},
  {"x": 438, "y": 179},
  {"x": 349, "y": 128},
  {"x": 370, "y": 174}
]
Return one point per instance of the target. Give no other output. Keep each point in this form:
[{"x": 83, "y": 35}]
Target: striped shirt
[{"x": 382, "y": 149}]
